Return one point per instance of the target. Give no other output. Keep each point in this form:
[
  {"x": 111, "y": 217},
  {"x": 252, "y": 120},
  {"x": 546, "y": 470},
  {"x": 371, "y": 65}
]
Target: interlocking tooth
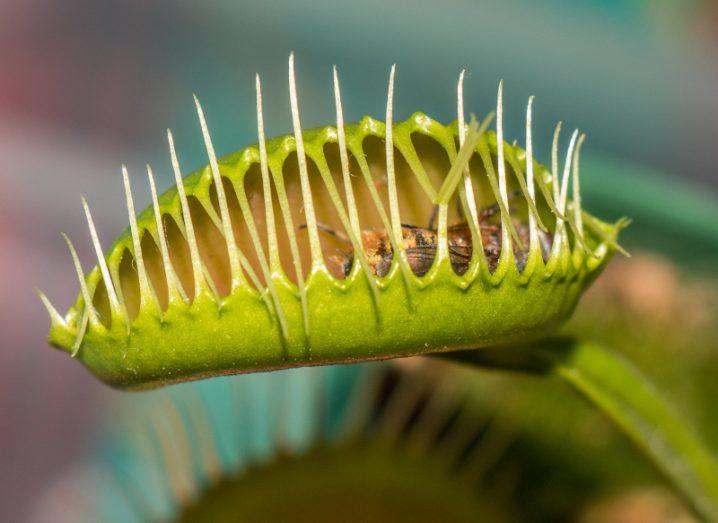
[
  {"x": 189, "y": 227},
  {"x": 350, "y": 226},
  {"x": 395, "y": 217},
  {"x": 552, "y": 200},
  {"x": 235, "y": 271},
  {"x": 89, "y": 312},
  {"x": 500, "y": 144},
  {"x": 391, "y": 175},
  {"x": 567, "y": 171},
  {"x": 146, "y": 290},
  {"x": 554, "y": 166},
  {"x": 273, "y": 245},
  {"x": 559, "y": 233},
  {"x": 507, "y": 226},
  {"x": 468, "y": 185},
  {"x": 578, "y": 216},
  {"x": 81, "y": 276},
  {"x": 467, "y": 195},
  {"x": 314, "y": 243},
  {"x": 173, "y": 284},
  {"x": 533, "y": 230},
  {"x": 55, "y": 317},
  {"x": 81, "y": 329},
  {"x": 506, "y": 222},
  {"x": 283, "y": 200},
  {"x": 249, "y": 219},
  {"x": 365, "y": 171},
  {"x": 344, "y": 158},
  {"x": 575, "y": 220},
  {"x": 112, "y": 295}
]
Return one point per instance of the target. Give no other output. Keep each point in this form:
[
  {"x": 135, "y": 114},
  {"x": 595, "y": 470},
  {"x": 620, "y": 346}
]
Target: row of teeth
[{"x": 468, "y": 137}]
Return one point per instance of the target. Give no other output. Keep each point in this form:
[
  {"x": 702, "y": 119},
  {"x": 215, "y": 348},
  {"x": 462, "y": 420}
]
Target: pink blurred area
[
  {"x": 65, "y": 128},
  {"x": 74, "y": 65},
  {"x": 48, "y": 403}
]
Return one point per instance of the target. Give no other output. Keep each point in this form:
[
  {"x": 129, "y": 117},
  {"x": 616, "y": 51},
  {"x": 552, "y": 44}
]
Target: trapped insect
[{"x": 421, "y": 245}]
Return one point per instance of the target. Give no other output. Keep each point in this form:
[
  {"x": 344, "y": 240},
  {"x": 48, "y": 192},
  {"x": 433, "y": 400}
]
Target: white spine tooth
[
  {"x": 283, "y": 204},
  {"x": 234, "y": 267},
  {"x": 567, "y": 172},
  {"x": 500, "y": 145},
  {"x": 89, "y": 307},
  {"x": 314, "y": 244},
  {"x": 350, "y": 226},
  {"x": 554, "y": 164},
  {"x": 344, "y": 157},
  {"x": 503, "y": 193},
  {"x": 171, "y": 276},
  {"x": 390, "y": 173},
  {"x": 577, "y": 186},
  {"x": 533, "y": 231},
  {"x": 146, "y": 290},
  {"x": 561, "y": 194},
  {"x": 112, "y": 295},
  {"x": 189, "y": 227},
  {"x": 55, "y": 317},
  {"x": 81, "y": 329},
  {"x": 468, "y": 186},
  {"x": 555, "y": 188},
  {"x": 395, "y": 219},
  {"x": 273, "y": 246},
  {"x": 269, "y": 213},
  {"x": 391, "y": 177}
]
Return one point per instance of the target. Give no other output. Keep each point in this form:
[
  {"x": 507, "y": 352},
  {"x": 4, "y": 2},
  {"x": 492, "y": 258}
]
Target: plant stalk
[{"x": 630, "y": 400}]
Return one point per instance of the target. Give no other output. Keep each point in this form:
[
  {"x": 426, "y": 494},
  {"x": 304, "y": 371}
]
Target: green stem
[{"x": 625, "y": 395}]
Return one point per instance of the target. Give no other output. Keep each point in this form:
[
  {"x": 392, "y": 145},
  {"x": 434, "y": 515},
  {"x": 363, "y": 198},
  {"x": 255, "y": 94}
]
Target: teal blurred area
[
  {"x": 213, "y": 429},
  {"x": 88, "y": 85}
]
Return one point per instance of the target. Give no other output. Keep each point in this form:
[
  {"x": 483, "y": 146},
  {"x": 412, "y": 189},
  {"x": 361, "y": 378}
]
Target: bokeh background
[{"x": 86, "y": 85}]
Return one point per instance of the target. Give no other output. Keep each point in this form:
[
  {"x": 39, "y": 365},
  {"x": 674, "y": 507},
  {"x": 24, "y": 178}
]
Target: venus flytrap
[
  {"x": 259, "y": 262},
  {"x": 163, "y": 307}
]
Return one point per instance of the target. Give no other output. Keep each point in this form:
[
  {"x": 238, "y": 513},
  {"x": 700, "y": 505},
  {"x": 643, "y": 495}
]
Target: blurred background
[{"x": 87, "y": 85}]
